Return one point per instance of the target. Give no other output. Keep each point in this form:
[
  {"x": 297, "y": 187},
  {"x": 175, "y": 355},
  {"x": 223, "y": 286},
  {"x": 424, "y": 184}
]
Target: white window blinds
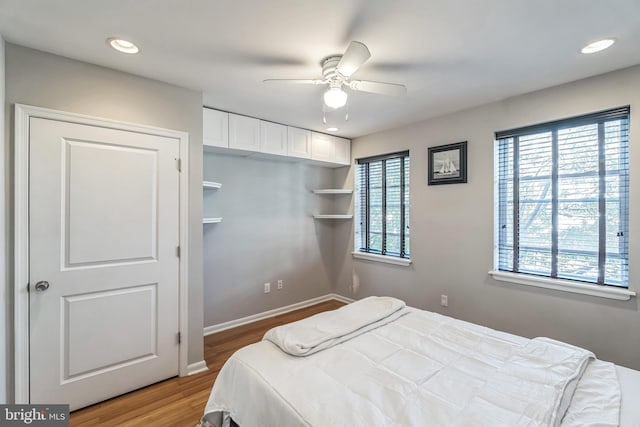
[
  {"x": 382, "y": 205},
  {"x": 563, "y": 198}
]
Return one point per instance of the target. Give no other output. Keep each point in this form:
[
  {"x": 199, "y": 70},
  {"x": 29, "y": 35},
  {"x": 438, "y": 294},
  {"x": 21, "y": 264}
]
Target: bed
[{"x": 378, "y": 362}]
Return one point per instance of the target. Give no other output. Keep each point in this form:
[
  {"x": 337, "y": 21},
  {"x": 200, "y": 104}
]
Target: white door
[{"x": 104, "y": 231}]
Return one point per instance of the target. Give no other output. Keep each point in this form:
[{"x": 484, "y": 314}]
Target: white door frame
[{"x": 23, "y": 113}]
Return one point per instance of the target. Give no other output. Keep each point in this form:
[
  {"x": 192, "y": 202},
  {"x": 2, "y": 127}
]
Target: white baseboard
[
  {"x": 275, "y": 312},
  {"x": 342, "y": 299},
  {"x": 196, "y": 368}
]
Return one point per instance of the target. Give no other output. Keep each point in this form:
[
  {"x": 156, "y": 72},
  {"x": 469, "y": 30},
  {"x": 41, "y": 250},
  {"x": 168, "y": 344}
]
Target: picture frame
[{"x": 447, "y": 164}]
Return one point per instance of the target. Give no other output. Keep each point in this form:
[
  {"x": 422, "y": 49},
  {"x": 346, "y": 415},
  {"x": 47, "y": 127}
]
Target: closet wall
[{"x": 267, "y": 234}]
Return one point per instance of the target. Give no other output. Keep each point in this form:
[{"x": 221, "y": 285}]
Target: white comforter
[{"x": 419, "y": 369}]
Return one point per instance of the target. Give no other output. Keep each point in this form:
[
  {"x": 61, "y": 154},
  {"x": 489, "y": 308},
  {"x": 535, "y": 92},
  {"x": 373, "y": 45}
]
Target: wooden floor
[{"x": 180, "y": 401}]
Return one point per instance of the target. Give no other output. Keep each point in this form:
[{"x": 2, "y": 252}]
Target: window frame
[
  {"x": 362, "y": 249},
  {"x": 598, "y": 288}
]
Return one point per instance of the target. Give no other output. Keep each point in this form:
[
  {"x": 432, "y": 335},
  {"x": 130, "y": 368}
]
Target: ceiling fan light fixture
[
  {"x": 597, "y": 46},
  {"x": 123, "y": 46},
  {"x": 335, "y": 97}
]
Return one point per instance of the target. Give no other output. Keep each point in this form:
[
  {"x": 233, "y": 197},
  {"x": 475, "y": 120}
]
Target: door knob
[{"x": 42, "y": 286}]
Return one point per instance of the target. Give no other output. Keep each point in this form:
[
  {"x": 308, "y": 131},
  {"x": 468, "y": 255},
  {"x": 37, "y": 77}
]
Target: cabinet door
[
  {"x": 215, "y": 128},
  {"x": 273, "y": 138},
  {"x": 323, "y": 147},
  {"x": 244, "y": 133},
  {"x": 343, "y": 150},
  {"x": 299, "y": 142}
]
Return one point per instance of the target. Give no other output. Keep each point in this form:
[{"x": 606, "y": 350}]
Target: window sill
[
  {"x": 382, "y": 258},
  {"x": 564, "y": 285}
]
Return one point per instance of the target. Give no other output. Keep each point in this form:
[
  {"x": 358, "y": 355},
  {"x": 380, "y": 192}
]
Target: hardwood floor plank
[{"x": 180, "y": 401}]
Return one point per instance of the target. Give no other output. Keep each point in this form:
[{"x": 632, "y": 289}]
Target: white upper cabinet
[
  {"x": 244, "y": 133},
  {"x": 331, "y": 149},
  {"x": 247, "y": 135},
  {"x": 343, "y": 150},
  {"x": 323, "y": 147},
  {"x": 273, "y": 138},
  {"x": 215, "y": 131},
  {"x": 299, "y": 141}
]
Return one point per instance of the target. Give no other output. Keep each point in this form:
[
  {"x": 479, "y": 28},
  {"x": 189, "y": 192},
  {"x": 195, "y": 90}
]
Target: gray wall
[
  {"x": 452, "y": 227},
  {"x": 267, "y": 233},
  {"x": 46, "y": 80},
  {"x": 4, "y": 228}
]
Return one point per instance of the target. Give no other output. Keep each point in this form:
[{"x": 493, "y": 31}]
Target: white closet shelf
[
  {"x": 333, "y": 191},
  {"x": 211, "y": 185},
  {"x": 211, "y": 220},
  {"x": 333, "y": 216}
]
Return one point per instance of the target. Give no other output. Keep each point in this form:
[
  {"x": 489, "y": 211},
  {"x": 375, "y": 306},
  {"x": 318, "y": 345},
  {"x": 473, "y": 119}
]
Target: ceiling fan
[{"x": 337, "y": 70}]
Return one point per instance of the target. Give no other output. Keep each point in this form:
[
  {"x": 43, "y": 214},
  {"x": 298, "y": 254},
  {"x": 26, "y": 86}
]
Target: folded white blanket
[{"x": 327, "y": 329}]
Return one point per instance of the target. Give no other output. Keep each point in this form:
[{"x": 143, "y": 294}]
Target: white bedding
[
  {"x": 419, "y": 369},
  {"x": 630, "y": 391},
  {"x": 325, "y": 330}
]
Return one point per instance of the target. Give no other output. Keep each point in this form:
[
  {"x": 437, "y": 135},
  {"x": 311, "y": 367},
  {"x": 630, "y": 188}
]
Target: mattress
[
  {"x": 411, "y": 367},
  {"x": 630, "y": 390}
]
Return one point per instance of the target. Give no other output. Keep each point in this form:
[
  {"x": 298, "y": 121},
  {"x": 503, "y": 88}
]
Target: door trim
[{"x": 23, "y": 113}]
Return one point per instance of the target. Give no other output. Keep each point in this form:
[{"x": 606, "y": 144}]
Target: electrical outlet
[
  {"x": 267, "y": 288},
  {"x": 280, "y": 284},
  {"x": 444, "y": 300}
]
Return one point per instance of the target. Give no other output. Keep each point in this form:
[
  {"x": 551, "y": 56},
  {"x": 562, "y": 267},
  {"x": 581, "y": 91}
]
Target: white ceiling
[{"x": 451, "y": 54}]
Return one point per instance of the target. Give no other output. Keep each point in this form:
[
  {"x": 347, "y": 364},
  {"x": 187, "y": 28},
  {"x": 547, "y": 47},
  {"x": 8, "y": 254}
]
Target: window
[
  {"x": 562, "y": 190},
  {"x": 382, "y": 205}
]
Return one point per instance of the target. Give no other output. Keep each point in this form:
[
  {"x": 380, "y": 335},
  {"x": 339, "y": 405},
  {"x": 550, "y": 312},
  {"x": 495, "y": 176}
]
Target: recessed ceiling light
[
  {"x": 123, "y": 46},
  {"x": 597, "y": 46}
]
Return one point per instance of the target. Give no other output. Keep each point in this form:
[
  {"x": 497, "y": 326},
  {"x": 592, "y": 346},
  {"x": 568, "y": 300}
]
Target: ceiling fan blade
[
  {"x": 295, "y": 81},
  {"x": 355, "y": 55},
  {"x": 391, "y": 89}
]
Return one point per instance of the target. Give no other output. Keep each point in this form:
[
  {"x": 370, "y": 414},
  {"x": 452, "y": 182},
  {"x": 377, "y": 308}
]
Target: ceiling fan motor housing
[{"x": 329, "y": 69}]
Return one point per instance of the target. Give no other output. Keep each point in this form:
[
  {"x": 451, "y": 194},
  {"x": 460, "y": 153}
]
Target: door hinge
[
  {"x": 179, "y": 162},
  {"x": 179, "y": 338},
  {"x": 178, "y": 251}
]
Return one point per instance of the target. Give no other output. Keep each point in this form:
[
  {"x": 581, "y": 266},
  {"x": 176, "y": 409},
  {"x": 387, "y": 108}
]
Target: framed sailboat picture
[{"x": 447, "y": 164}]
